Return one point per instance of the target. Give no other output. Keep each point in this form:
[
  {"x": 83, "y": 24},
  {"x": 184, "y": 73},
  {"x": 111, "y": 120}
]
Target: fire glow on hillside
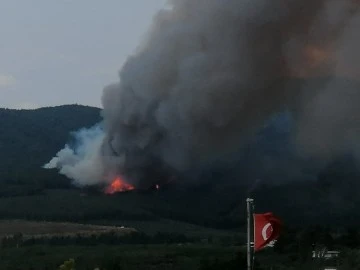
[{"x": 118, "y": 185}]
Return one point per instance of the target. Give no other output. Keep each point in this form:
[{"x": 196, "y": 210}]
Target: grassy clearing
[
  {"x": 172, "y": 226},
  {"x": 42, "y": 229}
]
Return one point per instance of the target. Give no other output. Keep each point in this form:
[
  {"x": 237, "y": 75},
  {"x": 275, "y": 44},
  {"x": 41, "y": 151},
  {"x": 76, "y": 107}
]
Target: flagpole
[{"x": 250, "y": 243}]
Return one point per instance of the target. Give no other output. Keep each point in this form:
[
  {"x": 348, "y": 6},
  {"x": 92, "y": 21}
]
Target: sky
[{"x": 55, "y": 52}]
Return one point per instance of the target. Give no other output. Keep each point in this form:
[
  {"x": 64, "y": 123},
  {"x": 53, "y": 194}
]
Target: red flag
[{"x": 266, "y": 229}]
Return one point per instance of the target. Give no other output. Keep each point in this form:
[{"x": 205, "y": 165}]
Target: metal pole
[{"x": 249, "y": 203}]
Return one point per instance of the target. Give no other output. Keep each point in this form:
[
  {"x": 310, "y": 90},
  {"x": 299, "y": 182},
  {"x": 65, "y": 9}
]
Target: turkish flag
[{"x": 266, "y": 229}]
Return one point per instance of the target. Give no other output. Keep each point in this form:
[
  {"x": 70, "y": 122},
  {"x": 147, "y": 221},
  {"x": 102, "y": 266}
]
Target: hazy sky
[{"x": 56, "y": 52}]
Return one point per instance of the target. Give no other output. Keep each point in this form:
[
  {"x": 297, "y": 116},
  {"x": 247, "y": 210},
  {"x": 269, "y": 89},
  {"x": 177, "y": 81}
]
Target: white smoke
[{"x": 82, "y": 162}]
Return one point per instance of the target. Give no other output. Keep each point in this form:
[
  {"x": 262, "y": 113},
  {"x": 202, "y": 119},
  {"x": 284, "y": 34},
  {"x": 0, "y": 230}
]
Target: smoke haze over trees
[{"x": 211, "y": 72}]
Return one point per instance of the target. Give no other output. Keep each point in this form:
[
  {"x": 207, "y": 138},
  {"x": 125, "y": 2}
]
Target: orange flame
[{"x": 118, "y": 185}]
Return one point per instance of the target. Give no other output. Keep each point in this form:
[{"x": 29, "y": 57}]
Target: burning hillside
[
  {"x": 211, "y": 71},
  {"x": 118, "y": 185}
]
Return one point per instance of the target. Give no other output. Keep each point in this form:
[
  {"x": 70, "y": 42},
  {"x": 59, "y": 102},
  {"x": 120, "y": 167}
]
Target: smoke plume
[
  {"x": 209, "y": 73},
  {"x": 81, "y": 161}
]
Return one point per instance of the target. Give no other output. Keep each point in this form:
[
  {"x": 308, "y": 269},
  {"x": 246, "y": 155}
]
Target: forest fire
[{"x": 118, "y": 185}]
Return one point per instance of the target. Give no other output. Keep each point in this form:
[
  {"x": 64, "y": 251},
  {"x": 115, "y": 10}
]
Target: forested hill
[
  {"x": 29, "y": 138},
  {"x": 266, "y": 169}
]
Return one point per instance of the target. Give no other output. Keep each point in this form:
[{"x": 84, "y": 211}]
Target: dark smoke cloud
[{"x": 212, "y": 71}]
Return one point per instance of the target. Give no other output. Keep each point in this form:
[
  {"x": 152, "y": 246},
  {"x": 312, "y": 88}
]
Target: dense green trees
[{"x": 30, "y": 138}]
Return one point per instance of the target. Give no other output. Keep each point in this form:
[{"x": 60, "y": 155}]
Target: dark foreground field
[
  {"x": 164, "y": 256},
  {"x": 161, "y": 244},
  {"x": 40, "y": 245},
  {"x": 117, "y": 257}
]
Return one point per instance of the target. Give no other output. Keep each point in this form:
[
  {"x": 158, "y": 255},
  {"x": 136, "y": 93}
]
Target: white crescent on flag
[{"x": 264, "y": 231}]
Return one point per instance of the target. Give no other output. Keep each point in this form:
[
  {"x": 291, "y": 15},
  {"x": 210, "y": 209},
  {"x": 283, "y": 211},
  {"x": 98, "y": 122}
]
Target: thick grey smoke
[
  {"x": 329, "y": 121},
  {"x": 211, "y": 71}
]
